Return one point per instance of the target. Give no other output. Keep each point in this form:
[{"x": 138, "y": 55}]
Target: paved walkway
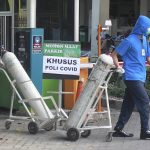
[{"x": 18, "y": 138}]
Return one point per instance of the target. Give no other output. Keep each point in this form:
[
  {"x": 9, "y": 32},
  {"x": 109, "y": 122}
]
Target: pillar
[
  {"x": 100, "y": 12},
  {"x": 94, "y": 25},
  {"x": 76, "y": 20},
  {"x": 31, "y": 13},
  {"x": 144, "y": 7}
]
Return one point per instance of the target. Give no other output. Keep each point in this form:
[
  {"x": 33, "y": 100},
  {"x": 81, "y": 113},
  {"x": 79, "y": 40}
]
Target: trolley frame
[{"x": 46, "y": 124}]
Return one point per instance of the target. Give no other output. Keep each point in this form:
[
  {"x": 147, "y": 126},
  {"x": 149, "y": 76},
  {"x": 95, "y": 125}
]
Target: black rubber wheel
[
  {"x": 109, "y": 137},
  {"x": 73, "y": 134},
  {"x": 86, "y": 133},
  {"x": 7, "y": 125},
  {"x": 33, "y": 127},
  {"x": 49, "y": 128}
]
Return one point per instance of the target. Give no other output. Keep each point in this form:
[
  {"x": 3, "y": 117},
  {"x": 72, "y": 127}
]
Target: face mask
[
  {"x": 148, "y": 38},
  {"x": 148, "y": 34}
]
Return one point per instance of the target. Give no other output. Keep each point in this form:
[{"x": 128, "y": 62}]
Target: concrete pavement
[{"x": 18, "y": 137}]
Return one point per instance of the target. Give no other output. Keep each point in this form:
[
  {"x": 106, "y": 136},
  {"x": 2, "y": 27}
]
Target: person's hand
[{"x": 120, "y": 70}]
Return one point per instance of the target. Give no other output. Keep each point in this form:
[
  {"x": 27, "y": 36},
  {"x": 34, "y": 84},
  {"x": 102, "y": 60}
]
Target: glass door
[{"x": 5, "y": 32}]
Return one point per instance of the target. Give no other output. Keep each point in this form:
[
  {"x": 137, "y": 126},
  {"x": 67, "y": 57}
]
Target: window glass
[
  {"x": 5, "y": 5},
  {"x": 20, "y": 15},
  {"x": 57, "y": 18}
]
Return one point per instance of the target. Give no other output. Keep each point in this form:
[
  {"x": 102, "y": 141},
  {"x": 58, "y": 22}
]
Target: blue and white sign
[{"x": 37, "y": 44}]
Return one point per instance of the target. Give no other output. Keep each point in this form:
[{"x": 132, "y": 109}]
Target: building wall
[{"x": 145, "y": 7}]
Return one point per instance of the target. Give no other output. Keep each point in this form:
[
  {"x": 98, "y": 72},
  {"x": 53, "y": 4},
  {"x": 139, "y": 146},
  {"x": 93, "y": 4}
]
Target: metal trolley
[
  {"x": 38, "y": 113},
  {"x": 36, "y": 122},
  {"x": 22, "y": 87},
  {"x": 84, "y": 117}
]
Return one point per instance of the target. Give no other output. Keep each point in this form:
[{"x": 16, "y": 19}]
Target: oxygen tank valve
[{"x": 2, "y": 50}]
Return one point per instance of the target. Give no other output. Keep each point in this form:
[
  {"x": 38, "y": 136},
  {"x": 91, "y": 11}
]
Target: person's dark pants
[{"x": 135, "y": 95}]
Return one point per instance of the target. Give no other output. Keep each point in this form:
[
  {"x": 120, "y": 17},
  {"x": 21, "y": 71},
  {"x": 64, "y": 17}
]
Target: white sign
[{"x": 61, "y": 65}]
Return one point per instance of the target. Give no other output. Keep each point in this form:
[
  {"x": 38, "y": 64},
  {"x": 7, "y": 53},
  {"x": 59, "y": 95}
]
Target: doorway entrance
[{"x": 5, "y": 32}]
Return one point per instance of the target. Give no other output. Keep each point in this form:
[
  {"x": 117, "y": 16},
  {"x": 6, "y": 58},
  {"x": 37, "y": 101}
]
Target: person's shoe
[
  {"x": 121, "y": 133},
  {"x": 145, "y": 135}
]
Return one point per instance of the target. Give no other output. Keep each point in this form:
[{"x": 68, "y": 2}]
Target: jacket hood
[{"x": 141, "y": 26}]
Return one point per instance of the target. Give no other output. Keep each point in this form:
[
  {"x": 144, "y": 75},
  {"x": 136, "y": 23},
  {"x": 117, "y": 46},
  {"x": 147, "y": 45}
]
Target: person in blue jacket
[{"x": 134, "y": 51}]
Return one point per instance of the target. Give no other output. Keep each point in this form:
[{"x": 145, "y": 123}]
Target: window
[
  {"x": 57, "y": 19},
  {"x": 4, "y": 5}
]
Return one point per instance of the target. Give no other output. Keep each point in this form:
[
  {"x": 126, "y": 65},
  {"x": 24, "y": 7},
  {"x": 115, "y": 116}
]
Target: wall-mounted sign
[
  {"x": 61, "y": 60},
  {"x": 37, "y": 44}
]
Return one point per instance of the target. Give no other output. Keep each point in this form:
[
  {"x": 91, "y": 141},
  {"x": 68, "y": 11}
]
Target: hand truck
[{"x": 81, "y": 119}]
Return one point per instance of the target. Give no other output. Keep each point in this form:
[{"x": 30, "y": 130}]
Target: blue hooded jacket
[{"x": 134, "y": 50}]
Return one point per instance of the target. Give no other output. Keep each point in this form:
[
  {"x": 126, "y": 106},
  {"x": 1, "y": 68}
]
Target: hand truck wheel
[
  {"x": 86, "y": 133},
  {"x": 49, "y": 128},
  {"x": 73, "y": 134},
  {"x": 109, "y": 137},
  {"x": 7, "y": 125},
  {"x": 33, "y": 127}
]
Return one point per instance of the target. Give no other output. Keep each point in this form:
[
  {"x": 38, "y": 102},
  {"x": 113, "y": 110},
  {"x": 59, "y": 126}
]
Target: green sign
[
  {"x": 61, "y": 60},
  {"x": 62, "y": 49}
]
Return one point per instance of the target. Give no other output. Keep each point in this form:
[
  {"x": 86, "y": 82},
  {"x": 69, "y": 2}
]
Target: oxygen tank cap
[
  {"x": 2, "y": 51},
  {"x": 107, "y": 59}
]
